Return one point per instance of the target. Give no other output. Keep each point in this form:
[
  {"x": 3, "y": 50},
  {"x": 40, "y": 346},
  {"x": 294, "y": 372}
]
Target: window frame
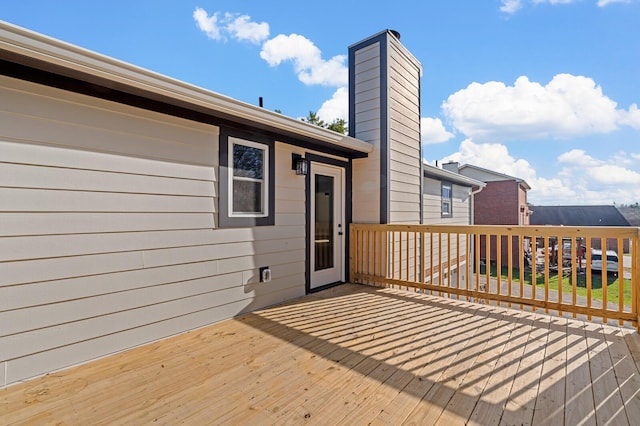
[
  {"x": 446, "y": 201},
  {"x": 226, "y": 216}
]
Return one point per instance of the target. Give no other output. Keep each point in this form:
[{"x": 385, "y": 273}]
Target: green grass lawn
[{"x": 612, "y": 282}]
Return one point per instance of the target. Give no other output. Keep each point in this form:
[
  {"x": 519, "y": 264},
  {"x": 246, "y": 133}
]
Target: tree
[
  {"x": 338, "y": 125},
  {"x": 313, "y": 118}
]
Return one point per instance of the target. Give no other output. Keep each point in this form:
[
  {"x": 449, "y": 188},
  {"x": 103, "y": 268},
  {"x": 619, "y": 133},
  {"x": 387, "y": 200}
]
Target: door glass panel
[{"x": 324, "y": 226}]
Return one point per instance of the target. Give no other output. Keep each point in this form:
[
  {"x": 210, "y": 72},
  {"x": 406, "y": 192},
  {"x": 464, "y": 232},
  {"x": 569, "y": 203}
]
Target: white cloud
[
  {"x": 566, "y": 107},
  {"x": 494, "y": 157},
  {"x": 510, "y": 6},
  {"x": 306, "y": 59},
  {"x": 601, "y": 172},
  {"x": 578, "y": 158},
  {"x": 581, "y": 179},
  {"x": 239, "y": 27},
  {"x": 336, "y": 107},
  {"x": 433, "y": 131},
  {"x": 301, "y": 52},
  {"x": 554, "y": 2},
  {"x": 207, "y": 24},
  {"x": 603, "y": 3},
  {"x": 631, "y": 117}
]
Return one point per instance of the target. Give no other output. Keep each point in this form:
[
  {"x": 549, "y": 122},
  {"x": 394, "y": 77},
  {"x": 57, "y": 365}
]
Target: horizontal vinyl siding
[
  {"x": 366, "y": 171},
  {"x": 39, "y": 114},
  {"x": 404, "y": 130},
  {"x": 103, "y": 251},
  {"x": 433, "y": 204}
]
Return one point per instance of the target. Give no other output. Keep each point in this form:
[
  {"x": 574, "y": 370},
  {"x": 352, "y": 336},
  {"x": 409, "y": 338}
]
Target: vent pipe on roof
[
  {"x": 395, "y": 33},
  {"x": 260, "y": 101}
]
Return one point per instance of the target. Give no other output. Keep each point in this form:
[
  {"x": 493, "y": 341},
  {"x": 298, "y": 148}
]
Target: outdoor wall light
[{"x": 299, "y": 164}]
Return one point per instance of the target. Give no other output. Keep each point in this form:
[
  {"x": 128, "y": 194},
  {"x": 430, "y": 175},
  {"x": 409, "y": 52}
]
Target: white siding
[
  {"x": 366, "y": 171},
  {"x": 108, "y": 231}
]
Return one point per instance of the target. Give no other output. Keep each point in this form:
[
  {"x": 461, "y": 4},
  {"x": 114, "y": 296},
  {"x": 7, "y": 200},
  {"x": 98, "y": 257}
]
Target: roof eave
[{"x": 38, "y": 47}]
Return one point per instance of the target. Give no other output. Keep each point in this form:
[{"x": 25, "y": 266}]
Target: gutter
[{"x": 34, "y": 46}]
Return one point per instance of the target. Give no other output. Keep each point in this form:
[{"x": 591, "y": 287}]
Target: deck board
[{"x": 354, "y": 355}]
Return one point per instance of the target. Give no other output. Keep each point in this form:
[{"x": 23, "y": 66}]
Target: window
[
  {"x": 246, "y": 180},
  {"x": 447, "y": 198}
]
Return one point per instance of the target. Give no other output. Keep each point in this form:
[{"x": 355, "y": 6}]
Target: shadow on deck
[{"x": 356, "y": 355}]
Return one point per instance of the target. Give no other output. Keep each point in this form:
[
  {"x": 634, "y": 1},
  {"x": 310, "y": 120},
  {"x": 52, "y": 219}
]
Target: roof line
[
  {"x": 37, "y": 46},
  {"x": 452, "y": 176}
]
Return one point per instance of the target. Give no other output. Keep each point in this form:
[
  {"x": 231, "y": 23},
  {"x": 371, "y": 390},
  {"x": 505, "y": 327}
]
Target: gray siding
[
  {"x": 108, "y": 235},
  {"x": 433, "y": 204},
  {"x": 404, "y": 135},
  {"x": 386, "y": 113},
  {"x": 443, "y": 252},
  {"x": 366, "y": 171}
]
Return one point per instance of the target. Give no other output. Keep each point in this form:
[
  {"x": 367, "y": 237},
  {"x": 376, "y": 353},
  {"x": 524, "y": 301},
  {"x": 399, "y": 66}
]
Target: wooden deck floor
[{"x": 355, "y": 355}]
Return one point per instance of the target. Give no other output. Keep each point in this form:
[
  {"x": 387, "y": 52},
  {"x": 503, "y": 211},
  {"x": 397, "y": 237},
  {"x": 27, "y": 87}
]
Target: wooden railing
[{"x": 554, "y": 268}]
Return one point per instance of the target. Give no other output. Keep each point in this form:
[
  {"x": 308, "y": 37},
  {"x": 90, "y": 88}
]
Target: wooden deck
[{"x": 355, "y": 355}]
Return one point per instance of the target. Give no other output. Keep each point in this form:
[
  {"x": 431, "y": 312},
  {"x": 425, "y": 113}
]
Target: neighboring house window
[
  {"x": 246, "y": 180},
  {"x": 447, "y": 198}
]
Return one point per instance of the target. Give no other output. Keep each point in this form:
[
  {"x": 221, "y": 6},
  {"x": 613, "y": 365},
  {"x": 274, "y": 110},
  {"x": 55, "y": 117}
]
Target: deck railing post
[{"x": 352, "y": 253}]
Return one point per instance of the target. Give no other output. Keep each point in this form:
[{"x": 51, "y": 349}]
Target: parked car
[{"x": 612, "y": 261}]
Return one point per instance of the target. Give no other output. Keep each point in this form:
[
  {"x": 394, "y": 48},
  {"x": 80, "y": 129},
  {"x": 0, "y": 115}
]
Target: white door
[{"x": 327, "y": 224}]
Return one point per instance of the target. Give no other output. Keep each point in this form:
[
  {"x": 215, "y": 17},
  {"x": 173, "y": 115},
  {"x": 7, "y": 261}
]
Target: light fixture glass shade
[{"x": 302, "y": 166}]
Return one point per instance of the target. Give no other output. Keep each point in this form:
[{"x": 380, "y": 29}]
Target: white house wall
[{"x": 108, "y": 231}]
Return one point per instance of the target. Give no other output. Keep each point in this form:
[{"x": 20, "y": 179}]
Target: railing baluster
[
  {"x": 509, "y": 266},
  {"x": 477, "y": 261},
  {"x": 521, "y": 253},
  {"x": 576, "y": 262},
  {"x": 440, "y": 281},
  {"x": 620, "y": 278},
  {"x": 534, "y": 270},
  {"x": 498, "y": 264},
  {"x": 431, "y": 260},
  {"x": 546, "y": 273},
  {"x": 589, "y": 275},
  {"x": 423, "y": 277},
  {"x": 458, "y": 271},
  {"x": 560, "y": 266},
  {"x": 416, "y": 277},
  {"x": 449, "y": 260},
  {"x": 468, "y": 260},
  {"x": 407, "y": 260},
  {"x": 604, "y": 243},
  {"x": 487, "y": 267}
]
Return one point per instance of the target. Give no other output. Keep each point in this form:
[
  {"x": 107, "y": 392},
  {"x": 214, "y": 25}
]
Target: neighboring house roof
[
  {"x": 25, "y": 52},
  {"x": 577, "y": 216},
  {"x": 487, "y": 175},
  {"x": 631, "y": 213},
  {"x": 449, "y": 176}
]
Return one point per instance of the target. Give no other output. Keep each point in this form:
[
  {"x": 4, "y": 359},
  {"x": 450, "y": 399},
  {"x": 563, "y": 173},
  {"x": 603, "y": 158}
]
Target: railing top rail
[{"x": 525, "y": 230}]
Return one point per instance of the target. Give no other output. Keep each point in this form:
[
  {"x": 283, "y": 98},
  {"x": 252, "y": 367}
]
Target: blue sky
[{"x": 545, "y": 90}]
